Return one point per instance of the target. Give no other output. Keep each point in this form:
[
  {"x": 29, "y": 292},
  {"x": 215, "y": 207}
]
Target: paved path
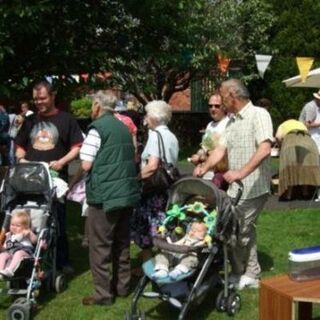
[{"x": 272, "y": 203}]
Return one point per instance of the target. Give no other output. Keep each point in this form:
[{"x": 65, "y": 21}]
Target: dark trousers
[
  {"x": 109, "y": 243},
  {"x": 62, "y": 241}
]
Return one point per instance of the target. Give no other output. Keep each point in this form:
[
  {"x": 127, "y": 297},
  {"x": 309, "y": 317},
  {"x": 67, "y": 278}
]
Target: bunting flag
[
  {"x": 84, "y": 76},
  {"x": 223, "y": 63},
  {"x": 75, "y": 77},
  {"x": 262, "y": 61},
  {"x": 304, "y": 65},
  {"x": 103, "y": 75},
  {"x": 49, "y": 79}
]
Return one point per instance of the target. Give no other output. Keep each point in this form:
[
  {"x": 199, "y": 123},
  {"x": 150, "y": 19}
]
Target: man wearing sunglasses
[{"x": 210, "y": 139}]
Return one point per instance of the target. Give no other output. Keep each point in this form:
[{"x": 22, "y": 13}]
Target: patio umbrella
[{"x": 312, "y": 81}]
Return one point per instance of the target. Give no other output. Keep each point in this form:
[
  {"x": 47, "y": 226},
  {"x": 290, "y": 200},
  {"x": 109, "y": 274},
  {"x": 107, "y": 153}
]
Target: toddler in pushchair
[
  {"x": 193, "y": 204},
  {"x": 28, "y": 236}
]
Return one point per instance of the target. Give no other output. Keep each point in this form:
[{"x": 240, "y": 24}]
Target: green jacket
[{"x": 112, "y": 182}]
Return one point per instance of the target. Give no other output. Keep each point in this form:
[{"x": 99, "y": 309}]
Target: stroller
[
  {"x": 29, "y": 186},
  {"x": 191, "y": 288}
]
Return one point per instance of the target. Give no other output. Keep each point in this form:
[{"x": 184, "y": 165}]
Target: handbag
[{"x": 165, "y": 175}]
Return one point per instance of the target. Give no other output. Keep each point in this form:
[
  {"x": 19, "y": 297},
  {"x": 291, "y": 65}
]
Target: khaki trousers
[
  {"x": 109, "y": 244},
  {"x": 243, "y": 257}
]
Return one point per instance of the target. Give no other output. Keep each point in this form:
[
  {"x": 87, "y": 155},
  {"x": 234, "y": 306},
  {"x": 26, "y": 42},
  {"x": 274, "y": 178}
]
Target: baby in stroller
[
  {"x": 19, "y": 243},
  {"x": 186, "y": 262}
]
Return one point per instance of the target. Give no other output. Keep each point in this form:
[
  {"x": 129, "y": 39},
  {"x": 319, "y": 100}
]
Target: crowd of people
[{"x": 236, "y": 146}]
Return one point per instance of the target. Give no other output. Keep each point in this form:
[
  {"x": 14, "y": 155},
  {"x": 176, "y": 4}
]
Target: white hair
[
  {"x": 106, "y": 99},
  {"x": 160, "y": 111}
]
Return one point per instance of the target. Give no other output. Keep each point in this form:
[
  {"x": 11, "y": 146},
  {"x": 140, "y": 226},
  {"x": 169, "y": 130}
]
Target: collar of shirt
[{"x": 241, "y": 114}]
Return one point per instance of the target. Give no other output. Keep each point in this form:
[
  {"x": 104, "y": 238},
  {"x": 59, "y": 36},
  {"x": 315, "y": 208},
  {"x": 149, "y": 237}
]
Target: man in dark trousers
[
  {"x": 52, "y": 136},
  {"x": 112, "y": 190}
]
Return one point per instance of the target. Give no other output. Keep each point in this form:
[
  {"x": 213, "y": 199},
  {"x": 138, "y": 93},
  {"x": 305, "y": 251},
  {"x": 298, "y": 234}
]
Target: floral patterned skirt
[{"x": 147, "y": 218}]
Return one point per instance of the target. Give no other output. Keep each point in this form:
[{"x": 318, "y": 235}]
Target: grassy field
[{"x": 278, "y": 233}]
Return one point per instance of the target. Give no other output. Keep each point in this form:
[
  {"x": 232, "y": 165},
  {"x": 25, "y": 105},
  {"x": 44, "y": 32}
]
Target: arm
[
  {"x": 76, "y": 178},
  {"x": 214, "y": 157},
  {"x": 310, "y": 124},
  {"x": 29, "y": 234},
  {"x": 263, "y": 151},
  {"x": 20, "y": 153},
  {"x": 60, "y": 163},
  {"x": 86, "y": 165},
  {"x": 150, "y": 167}
]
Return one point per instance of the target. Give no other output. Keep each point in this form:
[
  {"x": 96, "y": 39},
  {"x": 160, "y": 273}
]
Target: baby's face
[
  {"x": 198, "y": 230},
  {"x": 16, "y": 225}
]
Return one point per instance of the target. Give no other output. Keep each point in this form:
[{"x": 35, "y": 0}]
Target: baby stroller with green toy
[{"x": 193, "y": 199}]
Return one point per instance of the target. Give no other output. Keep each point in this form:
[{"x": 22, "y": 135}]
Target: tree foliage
[
  {"x": 296, "y": 32},
  {"x": 153, "y": 48}
]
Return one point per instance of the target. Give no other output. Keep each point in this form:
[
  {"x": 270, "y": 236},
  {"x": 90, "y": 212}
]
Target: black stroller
[
  {"x": 191, "y": 288},
  {"x": 29, "y": 186}
]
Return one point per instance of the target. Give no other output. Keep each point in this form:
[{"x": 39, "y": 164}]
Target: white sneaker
[
  {"x": 247, "y": 282},
  {"x": 317, "y": 199}
]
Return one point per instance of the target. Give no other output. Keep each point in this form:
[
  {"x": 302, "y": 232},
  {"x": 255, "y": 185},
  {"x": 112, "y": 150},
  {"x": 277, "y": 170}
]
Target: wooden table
[{"x": 279, "y": 296}]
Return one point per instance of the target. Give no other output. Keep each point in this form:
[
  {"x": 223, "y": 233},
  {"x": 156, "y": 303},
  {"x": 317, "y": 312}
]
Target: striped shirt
[
  {"x": 244, "y": 133},
  {"x": 90, "y": 146}
]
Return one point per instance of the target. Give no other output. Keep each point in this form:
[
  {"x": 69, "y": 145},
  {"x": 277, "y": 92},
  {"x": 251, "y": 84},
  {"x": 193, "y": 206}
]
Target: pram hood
[
  {"x": 29, "y": 178},
  {"x": 189, "y": 187}
]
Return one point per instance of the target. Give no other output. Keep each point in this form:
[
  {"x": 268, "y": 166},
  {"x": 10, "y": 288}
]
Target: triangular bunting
[
  {"x": 223, "y": 63},
  {"x": 304, "y": 65},
  {"x": 262, "y": 61}
]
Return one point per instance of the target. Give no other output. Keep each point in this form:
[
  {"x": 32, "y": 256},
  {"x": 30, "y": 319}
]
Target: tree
[
  {"x": 48, "y": 37},
  {"x": 178, "y": 41},
  {"x": 153, "y": 48}
]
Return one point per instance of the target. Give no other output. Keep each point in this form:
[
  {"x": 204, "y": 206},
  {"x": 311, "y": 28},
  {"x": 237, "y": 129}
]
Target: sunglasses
[{"x": 217, "y": 106}]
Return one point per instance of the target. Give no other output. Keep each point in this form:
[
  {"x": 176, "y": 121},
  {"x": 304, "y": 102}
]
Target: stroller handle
[{"x": 239, "y": 192}]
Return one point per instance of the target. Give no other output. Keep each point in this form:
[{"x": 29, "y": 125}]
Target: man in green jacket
[{"x": 112, "y": 190}]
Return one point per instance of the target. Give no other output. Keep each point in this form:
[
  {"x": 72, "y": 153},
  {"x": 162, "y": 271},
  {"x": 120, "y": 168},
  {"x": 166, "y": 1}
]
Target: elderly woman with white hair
[{"x": 152, "y": 207}]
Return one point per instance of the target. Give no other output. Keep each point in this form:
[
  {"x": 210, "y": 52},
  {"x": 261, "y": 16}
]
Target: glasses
[{"x": 217, "y": 106}]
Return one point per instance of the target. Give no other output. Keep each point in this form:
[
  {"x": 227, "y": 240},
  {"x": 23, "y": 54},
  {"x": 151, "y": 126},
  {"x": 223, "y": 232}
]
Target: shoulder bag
[{"x": 165, "y": 175}]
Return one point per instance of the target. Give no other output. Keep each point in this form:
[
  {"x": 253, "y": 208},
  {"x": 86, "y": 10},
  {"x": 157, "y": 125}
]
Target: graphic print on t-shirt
[{"x": 44, "y": 136}]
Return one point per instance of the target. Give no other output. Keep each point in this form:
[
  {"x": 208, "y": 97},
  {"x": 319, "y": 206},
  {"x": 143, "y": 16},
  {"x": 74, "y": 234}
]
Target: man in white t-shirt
[
  {"x": 211, "y": 136},
  {"x": 310, "y": 116}
]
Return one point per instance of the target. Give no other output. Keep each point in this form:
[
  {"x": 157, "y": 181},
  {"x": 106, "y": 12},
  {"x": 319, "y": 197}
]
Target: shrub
[{"x": 81, "y": 108}]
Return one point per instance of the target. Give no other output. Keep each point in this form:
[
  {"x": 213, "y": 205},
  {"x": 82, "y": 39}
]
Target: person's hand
[
  {"x": 56, "y": 165},
  {"x": 195, "y": 159},
  {"x": 198, "y": 171},
  {"x": 26, "y": 233},
  {"x": 231, "y": 176}
]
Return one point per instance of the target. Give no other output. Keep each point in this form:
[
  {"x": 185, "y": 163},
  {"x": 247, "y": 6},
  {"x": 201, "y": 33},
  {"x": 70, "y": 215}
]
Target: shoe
[
  {"x": 6, "y": 273},
  {"x": 248, "y": 282},
  {"x": 317, "y": 199},
  {"x": 67, "y": 269},
  {"x": 91, "y": 301}
]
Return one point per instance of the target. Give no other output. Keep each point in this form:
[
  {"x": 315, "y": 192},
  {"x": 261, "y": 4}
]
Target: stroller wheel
[
  {"x": 233, "y": 304},
  {"x": 19, "y": 311},
  {"x": 60, "y": 283},
  {"x": 221, "y": 302}
]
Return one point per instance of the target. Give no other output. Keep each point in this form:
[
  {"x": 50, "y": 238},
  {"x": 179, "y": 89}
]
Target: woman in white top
[{"x": 148, "y": 216}]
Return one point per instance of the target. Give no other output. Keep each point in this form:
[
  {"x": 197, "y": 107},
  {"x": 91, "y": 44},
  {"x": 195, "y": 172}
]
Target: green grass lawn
[{"x": 278, "y": 233}]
